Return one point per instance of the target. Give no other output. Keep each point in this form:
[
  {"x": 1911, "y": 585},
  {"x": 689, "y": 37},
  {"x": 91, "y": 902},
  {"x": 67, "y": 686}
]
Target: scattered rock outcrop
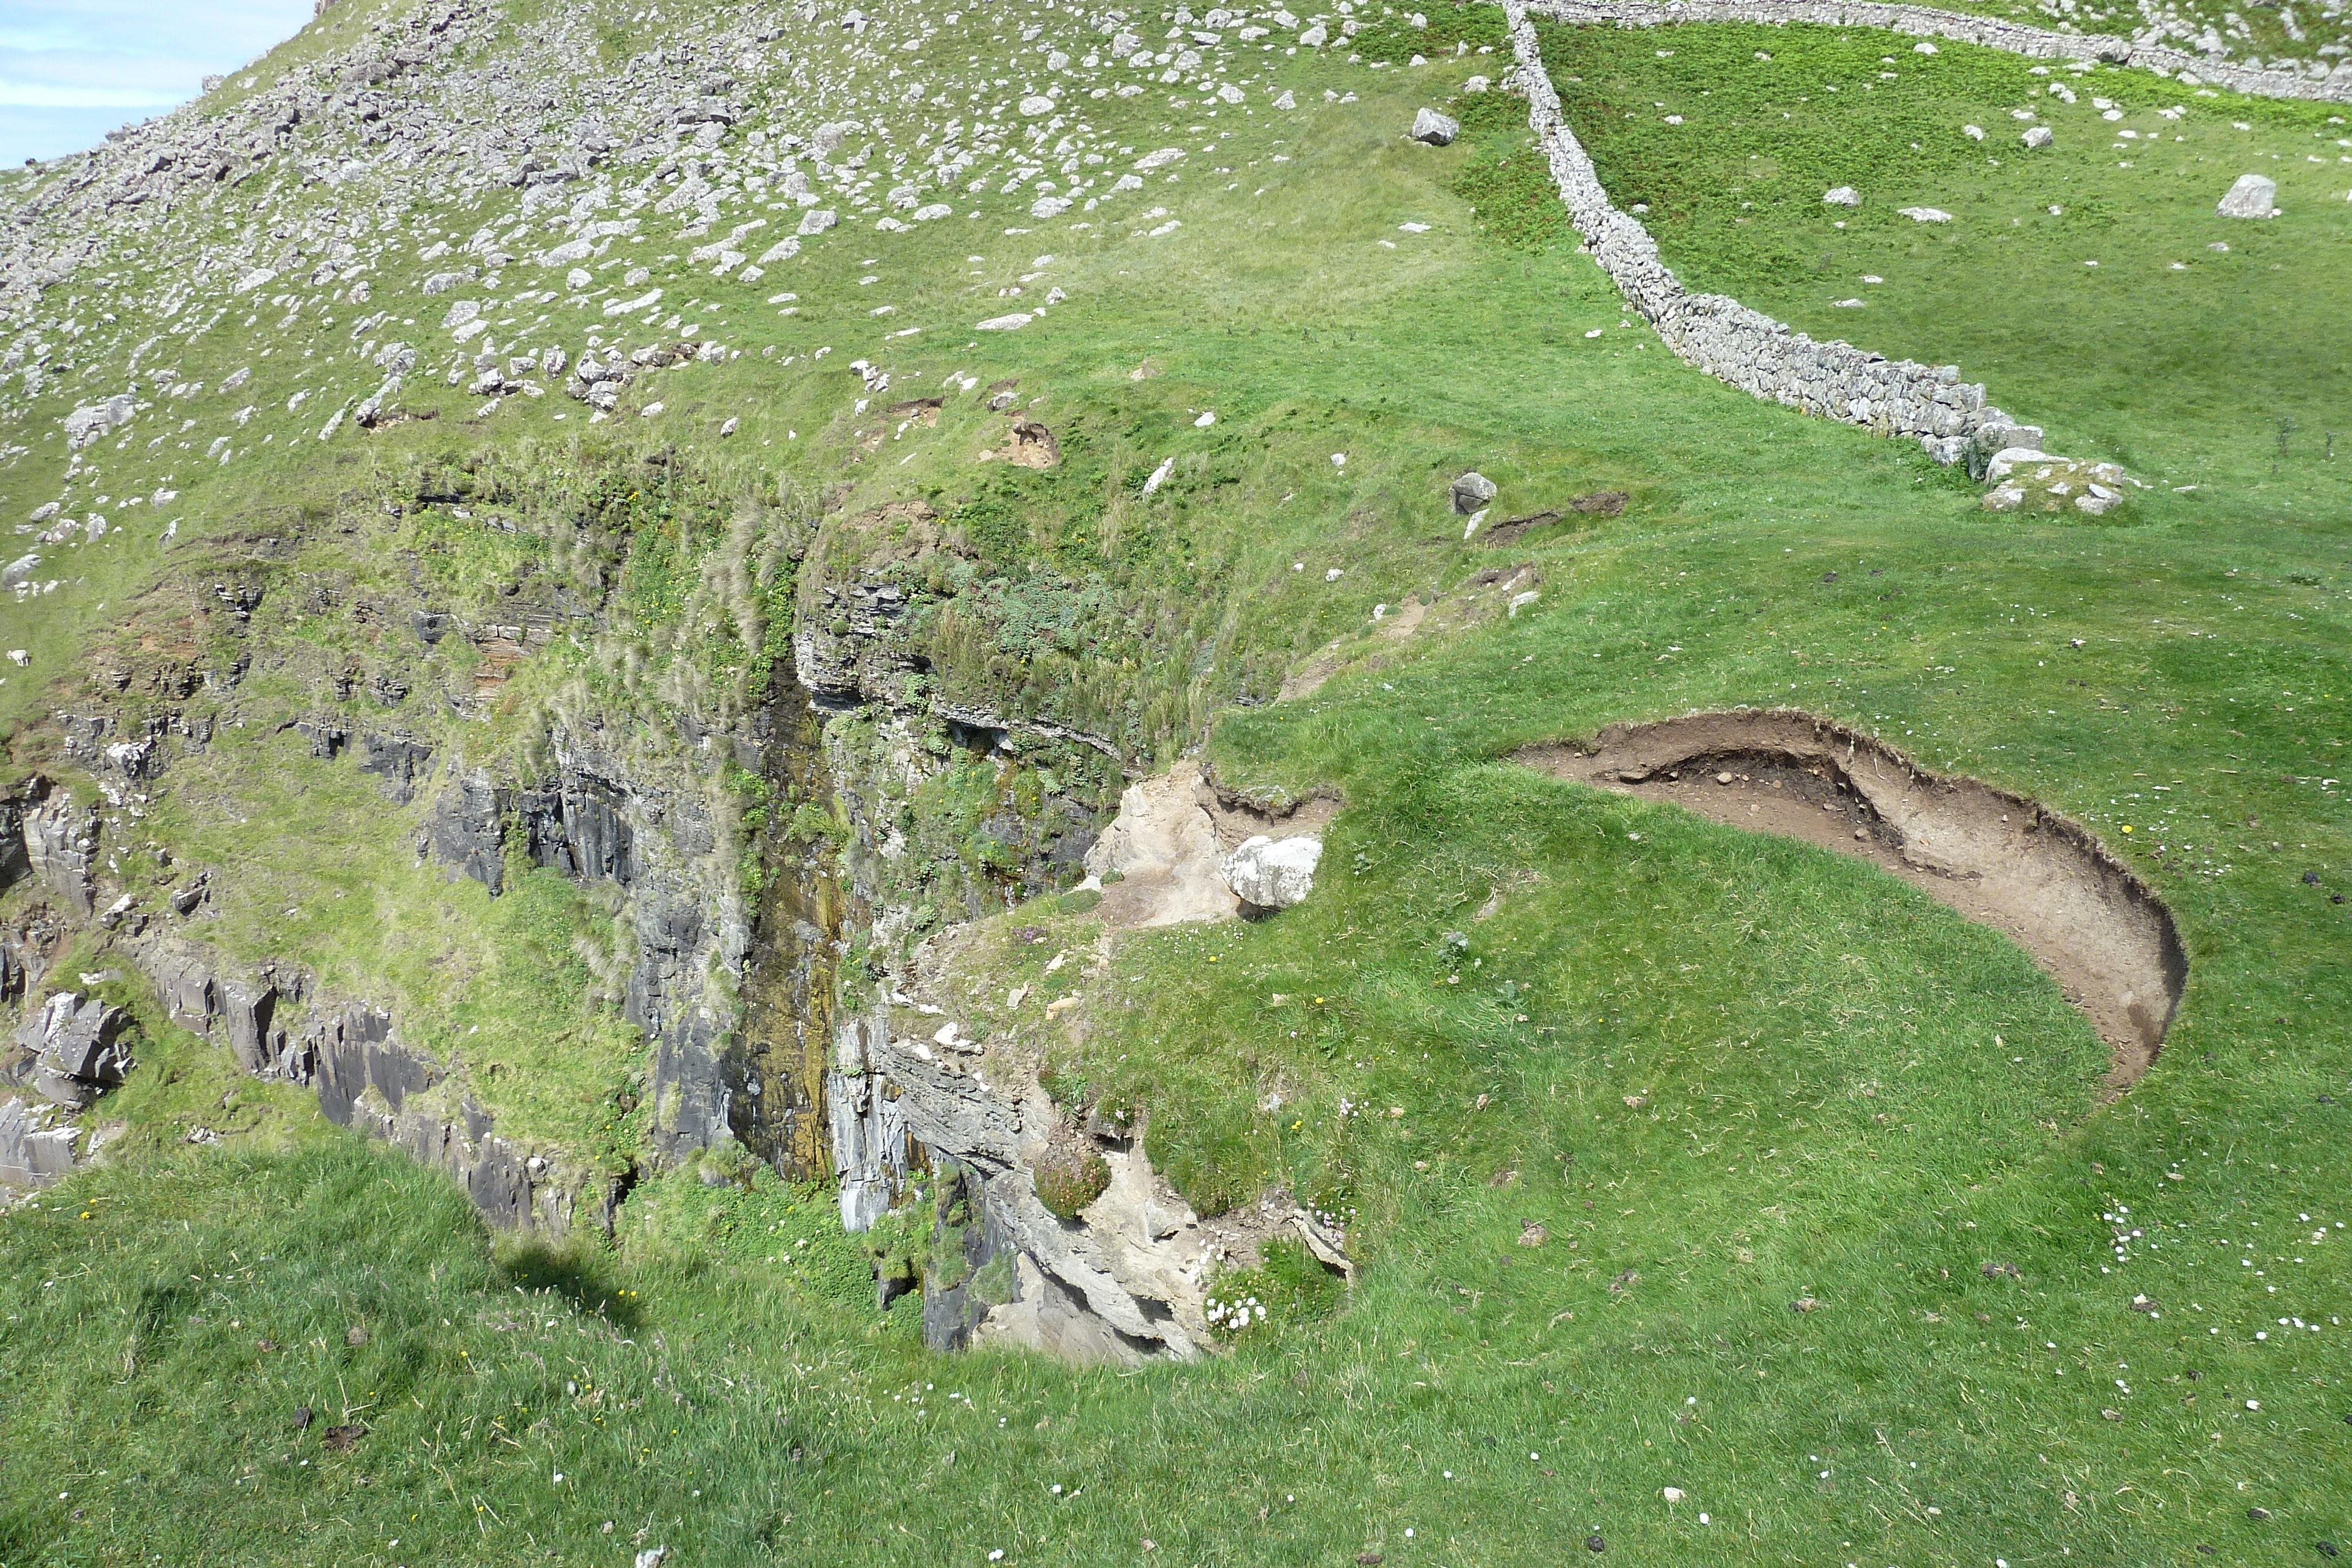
[
  {"x": 350, "y": 1054},
  {"x": 35, "y": 1151},
  {"x": 2029, "y": 481},
  {"x": 1055, "y": 1233},
  {"x": 72, "y": 1048}
]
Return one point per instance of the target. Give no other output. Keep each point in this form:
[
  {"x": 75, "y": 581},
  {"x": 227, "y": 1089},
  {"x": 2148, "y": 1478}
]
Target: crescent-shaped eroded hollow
[{"x": 1997, "y": 858}]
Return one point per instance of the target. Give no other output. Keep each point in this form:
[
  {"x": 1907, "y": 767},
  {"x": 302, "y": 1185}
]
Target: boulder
[
  {"x": 2010, "y": 457},
  {"x": 1433, "y": 129},
  {"x": 33, "y": 1153},
  {"x": 2040, "y": 136},
  {"x": 95, "y": 421},
  {"x": 1843, "y": 197},
  {"x": 1472, "y": 491},
  {"x": 1273, "y": 873},
  {"x": 1925, "y": 215},
  {"x": 2254, "y": 196},
  {"x": 75, "y": 1050}
]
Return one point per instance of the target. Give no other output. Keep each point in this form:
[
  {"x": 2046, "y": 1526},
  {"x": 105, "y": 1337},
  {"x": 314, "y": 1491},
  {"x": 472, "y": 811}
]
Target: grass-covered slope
[{"x": 1837, "y": 1239}]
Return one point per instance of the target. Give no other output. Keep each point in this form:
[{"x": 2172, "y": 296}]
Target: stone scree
[
  {"x": 1751, "y": 350},
  {"x": 2322, "y": 85}
]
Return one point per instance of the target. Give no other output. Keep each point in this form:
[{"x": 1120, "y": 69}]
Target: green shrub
[
  {"x": 1288, "y": 1287},
  {"x": 1070, "y": 1177}
]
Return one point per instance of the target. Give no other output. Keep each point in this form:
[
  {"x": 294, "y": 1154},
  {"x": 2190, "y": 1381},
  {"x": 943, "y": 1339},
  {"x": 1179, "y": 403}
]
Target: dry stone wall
[
  {"x": 1769, "y": 358},
  {"x": 2316, "y": 82},
  {"x": 1728, "y": 340}
]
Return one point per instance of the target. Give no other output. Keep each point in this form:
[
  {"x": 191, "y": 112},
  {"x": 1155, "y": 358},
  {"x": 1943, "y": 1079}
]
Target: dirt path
[{"x": 1997, "y": 858}]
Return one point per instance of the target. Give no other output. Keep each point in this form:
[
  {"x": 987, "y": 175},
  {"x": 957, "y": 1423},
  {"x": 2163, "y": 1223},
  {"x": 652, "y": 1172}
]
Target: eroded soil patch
[
  {"x": 1168, "y": 845},
  {"x": 1997, "y": 858}
]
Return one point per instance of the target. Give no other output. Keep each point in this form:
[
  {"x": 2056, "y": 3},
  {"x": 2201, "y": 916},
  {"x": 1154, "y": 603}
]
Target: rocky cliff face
[
  {"x": 275, "y": 1025},
  {"x": 602, "y": 817},
  {"x": 1054, "y": 1232},
  {"x": 784, "y": 744}
]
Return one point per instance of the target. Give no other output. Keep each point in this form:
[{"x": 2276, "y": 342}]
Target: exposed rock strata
[{"x": 349, "y": 1054}]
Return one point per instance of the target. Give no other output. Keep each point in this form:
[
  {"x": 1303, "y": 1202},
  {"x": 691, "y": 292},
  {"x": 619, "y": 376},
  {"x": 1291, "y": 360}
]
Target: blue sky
[{"x": 72, "y": 70}]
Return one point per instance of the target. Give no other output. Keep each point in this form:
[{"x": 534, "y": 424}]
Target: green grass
[
  {"x": 2191, "y": 366},
  {"x": 1766, "y": 1003}
]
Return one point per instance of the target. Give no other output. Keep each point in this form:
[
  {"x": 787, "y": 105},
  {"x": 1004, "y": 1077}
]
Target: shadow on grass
[{"x": 581, "y": 1275}]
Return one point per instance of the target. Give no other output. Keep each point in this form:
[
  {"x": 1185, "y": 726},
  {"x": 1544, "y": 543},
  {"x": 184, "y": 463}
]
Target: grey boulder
[
  {"x": 1434, "y": 129},
  {"x": 1472, "y": 491},
  {"x": 32, "y": 1153},
  {"x": 75, "y": 1048},
  {"x": 1273, "y": 873}
]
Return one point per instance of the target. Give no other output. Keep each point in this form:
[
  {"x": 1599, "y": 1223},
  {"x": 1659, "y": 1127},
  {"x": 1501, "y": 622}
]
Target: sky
[{"x": 72, "y": 70}]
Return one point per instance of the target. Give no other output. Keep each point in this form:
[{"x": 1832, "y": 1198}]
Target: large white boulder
[
  {"x": 2254, "y": 196},
  {"x": 1273, "y": 873}
]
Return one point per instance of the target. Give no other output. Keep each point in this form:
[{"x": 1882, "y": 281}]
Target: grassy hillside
[
  {"x": 1717, "y": 1199},
  {"x": 2090, "y": 283}
]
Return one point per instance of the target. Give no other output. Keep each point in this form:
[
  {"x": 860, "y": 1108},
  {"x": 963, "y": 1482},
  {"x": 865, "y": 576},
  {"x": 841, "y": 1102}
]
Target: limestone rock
[
  {"x": 96, "y": 421},
  {"x": 1472, "y": 491},
  {"x": 62, "y": 846},
  {"x": 2031, "y": 481},
  {"x": 1433, "y": 129},
  {"x": 2009, "y": 458},
  {"x": 1925, "y": 215},
  {"x": 2040, "y": 136},
  {"x": 2254, "y": 196},
  {"x": 32, "y": 1153},
  {"x": 1273, "y": 873},
  {"x": 1843, "y": 197},
  {"x": 74, "y": 1046}
]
